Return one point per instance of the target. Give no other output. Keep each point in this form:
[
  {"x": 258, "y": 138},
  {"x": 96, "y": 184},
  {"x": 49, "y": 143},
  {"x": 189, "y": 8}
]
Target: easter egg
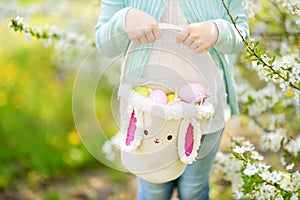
[
  {"x": 143, "y": 91},
  {"x": 170, "y": 98},
  {"x": 192, "y": 92},
  {"x": 158, "y": 97}
]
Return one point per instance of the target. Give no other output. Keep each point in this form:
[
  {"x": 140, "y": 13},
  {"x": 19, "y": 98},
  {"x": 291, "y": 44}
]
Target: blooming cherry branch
[
  {"x": 251, "y": 178},
  {"x": 48, "y": 34},
  {"x": 67, "y": 43},
  {"x": 288, "y": 74}
]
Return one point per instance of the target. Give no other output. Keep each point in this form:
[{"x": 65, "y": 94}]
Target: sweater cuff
[
  {"x": 222, "y": 26},
  {"x": 121, "y": 16}
]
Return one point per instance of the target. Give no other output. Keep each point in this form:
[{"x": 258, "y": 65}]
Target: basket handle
[
  {"x": 173, "y": 27},
  {"x": 162, "y": 26}
]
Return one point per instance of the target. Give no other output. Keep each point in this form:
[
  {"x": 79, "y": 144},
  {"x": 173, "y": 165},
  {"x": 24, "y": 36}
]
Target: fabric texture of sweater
[{"x": 112, "y": 40}]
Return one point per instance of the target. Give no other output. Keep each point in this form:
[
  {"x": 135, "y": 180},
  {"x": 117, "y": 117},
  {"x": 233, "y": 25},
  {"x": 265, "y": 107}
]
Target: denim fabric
[{"x": 193, "y": 184}]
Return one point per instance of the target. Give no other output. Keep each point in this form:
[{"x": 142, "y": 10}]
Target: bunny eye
[
  {"x": 146, "y": 132},
  {"x": 169, "y": 137}
]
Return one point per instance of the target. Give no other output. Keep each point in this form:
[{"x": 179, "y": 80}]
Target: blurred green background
[{"x": 41, "y": 154}]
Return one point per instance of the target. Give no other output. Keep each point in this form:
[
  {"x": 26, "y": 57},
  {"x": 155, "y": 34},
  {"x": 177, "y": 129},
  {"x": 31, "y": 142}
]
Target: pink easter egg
[
  {"x": 158, "y": 97},
  {"x": 192, "y": 92}
]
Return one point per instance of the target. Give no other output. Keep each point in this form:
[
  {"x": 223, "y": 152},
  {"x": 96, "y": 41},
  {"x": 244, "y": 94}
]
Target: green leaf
[{"x": 250, "y": 101}]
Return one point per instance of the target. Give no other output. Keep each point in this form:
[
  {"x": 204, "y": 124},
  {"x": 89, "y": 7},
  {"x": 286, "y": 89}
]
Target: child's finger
[
  {"x": 143, "y": 40},
  {"x": 188, "y": 41},
  {"x": 150, "y": 36},
  {"x": 136, "y": 41},
  {"x": 156, "y": 33},
  {"x": 198, "y": 50},
  {"x": 182, "y": 36},
  {"x": 193, "y": 46}
]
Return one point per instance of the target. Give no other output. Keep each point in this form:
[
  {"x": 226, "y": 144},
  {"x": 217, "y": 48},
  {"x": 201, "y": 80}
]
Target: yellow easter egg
[
  {"x": 171, "y": 97},
  {"x": 143, "y": 91}
]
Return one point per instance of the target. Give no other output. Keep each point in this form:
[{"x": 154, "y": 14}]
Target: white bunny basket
[{"x": 165, "y": 111}]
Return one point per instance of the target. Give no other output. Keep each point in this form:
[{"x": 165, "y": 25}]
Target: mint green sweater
[{"x": 112, "y": 40}]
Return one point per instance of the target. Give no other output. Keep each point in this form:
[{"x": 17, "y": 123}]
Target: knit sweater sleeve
[
  {"x": 229, "y": 41},
  {"x": 110, "y": 36}
]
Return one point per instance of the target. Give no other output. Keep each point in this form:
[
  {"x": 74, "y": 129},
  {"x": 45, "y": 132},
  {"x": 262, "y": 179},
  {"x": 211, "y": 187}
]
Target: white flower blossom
[
  {"x": 19, "y": 19},
  {"x": 256, "y": 156},
  {"x": 246, "y": 147},
  {"x": 48, "y": 42},
  {"x": 264, "y": 192},
  {"x": 231, "y": 170},
  {"x": 293, "y": 146},
  {"x": 239, "y": 150},
  {"x": 28, "y": 37},
  {"x": 250, "y": 169},
  {"x": 10, "y": 25},
  {"x": 263, "y": 167},
  {"x": 290, "y": 166},
  {"x": 295, "y": 197},
  {"x": 283, "y": 161},
  {"x": 272, "y": 141},
  {"x": 251, "y": 7},
  {"x": 239, "y": 139},
  {"x": 238, "y": 194},
  {"x": 291, "y": 182},
  {"x": 274, "y": 176}
]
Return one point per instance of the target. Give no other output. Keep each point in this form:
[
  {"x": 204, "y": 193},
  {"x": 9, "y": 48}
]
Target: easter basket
[{"x": 168, "y": 98}]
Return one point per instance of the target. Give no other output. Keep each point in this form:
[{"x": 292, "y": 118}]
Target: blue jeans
[{"x": 193, "y": 184}]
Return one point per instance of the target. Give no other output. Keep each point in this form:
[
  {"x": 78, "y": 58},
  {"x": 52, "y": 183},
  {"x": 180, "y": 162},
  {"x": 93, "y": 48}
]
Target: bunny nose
[{"x": 156, "y": 140}]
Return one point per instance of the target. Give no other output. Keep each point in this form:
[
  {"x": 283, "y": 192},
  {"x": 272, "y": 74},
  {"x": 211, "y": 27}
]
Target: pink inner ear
[
  {"x": 189, "y": 140},
  {"x": 131, "y": 129}
]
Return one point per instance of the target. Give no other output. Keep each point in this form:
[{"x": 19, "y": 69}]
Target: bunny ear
[
  {"x": 189, "y": 140},
  {"x": 131, "y": 129},
  {"x": 132, "y": 138}
]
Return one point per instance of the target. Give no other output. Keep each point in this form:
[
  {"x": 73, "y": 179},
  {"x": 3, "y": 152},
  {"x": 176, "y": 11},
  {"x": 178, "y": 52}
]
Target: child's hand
[
  {"x": 200, "y": 36},
  {"x": 141, "y": 27}
]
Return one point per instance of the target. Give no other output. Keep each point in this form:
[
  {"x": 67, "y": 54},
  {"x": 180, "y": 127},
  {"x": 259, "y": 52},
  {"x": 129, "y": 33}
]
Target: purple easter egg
[
  {"x": 192, "y": 92},
  {"x": 158, "y": 97}
]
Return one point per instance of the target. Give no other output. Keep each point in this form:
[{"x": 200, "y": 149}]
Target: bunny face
[
  {"x": 165, "y": 148},
  {"x": 156, "y": 158},
  {"x": 161, "y": 139},
  {"x": 159, "y": 134}
]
